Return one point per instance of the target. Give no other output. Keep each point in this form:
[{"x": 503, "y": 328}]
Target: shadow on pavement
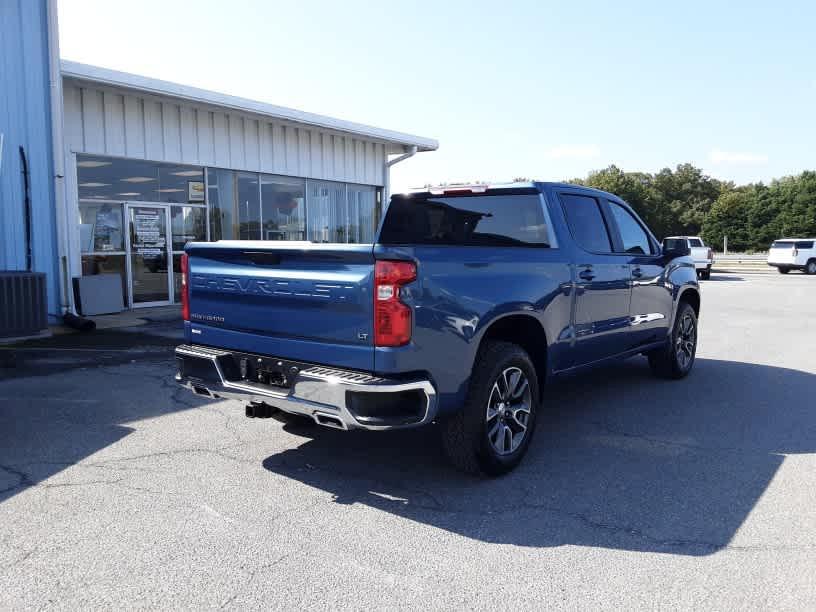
[
  {"x": 620, "y": 460},
  {"x": 47, "y": 426}
]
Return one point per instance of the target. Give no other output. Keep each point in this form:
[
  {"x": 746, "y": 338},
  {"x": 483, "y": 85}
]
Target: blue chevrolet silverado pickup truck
[{"x": 470, "y": 300}]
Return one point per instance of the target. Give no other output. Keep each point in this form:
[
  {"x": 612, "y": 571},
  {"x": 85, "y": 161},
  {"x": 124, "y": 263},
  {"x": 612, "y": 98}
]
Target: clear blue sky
[{"x": 548, "y": 90}]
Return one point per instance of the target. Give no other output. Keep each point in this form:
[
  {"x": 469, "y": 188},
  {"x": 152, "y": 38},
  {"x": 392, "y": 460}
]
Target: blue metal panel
[{"x": 25, "y": 120}]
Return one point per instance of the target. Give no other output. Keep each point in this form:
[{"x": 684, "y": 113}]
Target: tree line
[{"x": 686, "y": 201}]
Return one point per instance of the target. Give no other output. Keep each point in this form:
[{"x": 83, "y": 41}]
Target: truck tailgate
[{"x": 297, "y": 300}]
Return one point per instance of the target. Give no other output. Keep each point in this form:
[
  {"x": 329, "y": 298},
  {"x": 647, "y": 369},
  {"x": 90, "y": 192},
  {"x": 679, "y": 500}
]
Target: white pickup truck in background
[{"x": 702, "y": 255}]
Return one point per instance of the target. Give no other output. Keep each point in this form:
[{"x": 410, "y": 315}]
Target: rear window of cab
[{"x": 484, "y": 220}]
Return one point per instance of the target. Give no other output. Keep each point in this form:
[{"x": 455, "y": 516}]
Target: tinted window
[
  {"x": 782, "y": 244},
  {"x": 695, "y": 242},
  {"x": 102, "y": 178},
  {"x": 586, "y": 222},
  {"x": 804, "y": 244},
  {"x": 505, "y": 220},
  {"x": 632, "y": 234}
]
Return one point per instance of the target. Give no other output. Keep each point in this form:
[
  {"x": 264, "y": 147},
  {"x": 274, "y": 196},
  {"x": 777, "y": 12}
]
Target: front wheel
[
  {"x": 676, "y": 358},
  {"x": 492, "y": 431}
]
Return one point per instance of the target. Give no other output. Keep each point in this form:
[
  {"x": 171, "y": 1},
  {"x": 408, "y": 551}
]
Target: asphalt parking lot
[{"x": 119, "y": 491}]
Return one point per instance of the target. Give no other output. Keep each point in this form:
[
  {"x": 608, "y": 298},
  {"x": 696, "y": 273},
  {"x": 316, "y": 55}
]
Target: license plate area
[{"x": 280, "y": 373}]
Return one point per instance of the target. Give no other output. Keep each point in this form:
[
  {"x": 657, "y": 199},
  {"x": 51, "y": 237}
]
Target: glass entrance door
[{"x": 150, "y": 267}]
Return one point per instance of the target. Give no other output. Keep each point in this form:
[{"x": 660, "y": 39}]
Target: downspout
[
  {"x": 58, "y": 153},
  {"x": 410, "y": 152},
  {"x": 29, "y": 258}
]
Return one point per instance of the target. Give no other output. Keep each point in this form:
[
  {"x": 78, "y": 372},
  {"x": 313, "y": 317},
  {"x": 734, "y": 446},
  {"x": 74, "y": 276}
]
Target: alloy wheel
[
  {"x": 685, "y": 341},
  {"x": 508, "y": 411}
]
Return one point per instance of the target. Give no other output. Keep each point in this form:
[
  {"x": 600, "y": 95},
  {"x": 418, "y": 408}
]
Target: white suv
[{"x": 793, "y": 254}]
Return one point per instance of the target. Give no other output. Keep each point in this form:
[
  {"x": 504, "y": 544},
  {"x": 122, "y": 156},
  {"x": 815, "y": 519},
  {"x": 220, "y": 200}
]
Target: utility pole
[{"x": 725, "y": 245}]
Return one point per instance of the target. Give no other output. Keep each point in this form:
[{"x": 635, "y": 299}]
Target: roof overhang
[{"x": 156, "y": 87}]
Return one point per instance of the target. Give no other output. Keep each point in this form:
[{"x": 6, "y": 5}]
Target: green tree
[
  {"x": 688, "y": 194},
  {"x": 729, "y": 217},
  {"x": 687, "y": 201}
]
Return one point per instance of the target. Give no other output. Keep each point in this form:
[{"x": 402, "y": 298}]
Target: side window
[
  {"x": 632, "y": 234},
  {"x": 695, "y": 242},
  {"x": 586, "y": 222},
  {"x": 804, "y": 244}
]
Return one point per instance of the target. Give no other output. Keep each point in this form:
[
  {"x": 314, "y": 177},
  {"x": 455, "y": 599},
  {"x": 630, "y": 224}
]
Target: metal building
[
  {"x": 151, "y": 165},
  {"x": 28, "y": 236},
  {"x": 129, "y": 168}
]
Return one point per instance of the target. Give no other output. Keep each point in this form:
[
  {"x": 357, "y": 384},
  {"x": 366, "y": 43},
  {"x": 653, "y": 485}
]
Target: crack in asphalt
[
  {"x": 19, "y": 561},
  {"x": 250, "y": 577}
]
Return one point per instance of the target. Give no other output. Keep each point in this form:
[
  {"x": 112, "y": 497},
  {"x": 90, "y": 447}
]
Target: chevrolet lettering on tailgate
[{"x": 266, "y": 286}]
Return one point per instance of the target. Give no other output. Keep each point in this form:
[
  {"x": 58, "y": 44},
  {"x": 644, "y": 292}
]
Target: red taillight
[
  {"x": 710, "y": 254},
  {"x": 185, "y": 288},
  {"x": 392, "y": 318}
]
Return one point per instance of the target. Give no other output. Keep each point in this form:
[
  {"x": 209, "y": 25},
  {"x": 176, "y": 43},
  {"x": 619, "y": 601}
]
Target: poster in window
[{"x": 195, "y": 191}]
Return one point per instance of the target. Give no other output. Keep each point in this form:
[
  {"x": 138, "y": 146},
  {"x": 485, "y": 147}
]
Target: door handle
[
  {"x": 587, "y": 274},
  {"x": 637, "y": 272}
]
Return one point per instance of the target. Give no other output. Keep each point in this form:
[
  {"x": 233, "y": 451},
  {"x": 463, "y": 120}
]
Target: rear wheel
[
  {"x": 492, "y": 431},
  {"x": 705, "y": 274},
  {"x": 676, "y": 358},
  {"x": 783, "y": 270},
  {"x": 810, "y": 268}
]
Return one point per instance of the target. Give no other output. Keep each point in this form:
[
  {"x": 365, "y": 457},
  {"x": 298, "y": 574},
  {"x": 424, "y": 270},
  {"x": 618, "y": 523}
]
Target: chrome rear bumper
[{"x": 318, "y": 392}]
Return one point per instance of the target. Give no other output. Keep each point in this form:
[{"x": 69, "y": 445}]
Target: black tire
[
  {"x": 667, "y": 362},
  {"x": 810, "y": 267},
  {"x": 705, "y": 274},
  {"x": 465, "y": 435},
  {"x": 783, "y": 270}
]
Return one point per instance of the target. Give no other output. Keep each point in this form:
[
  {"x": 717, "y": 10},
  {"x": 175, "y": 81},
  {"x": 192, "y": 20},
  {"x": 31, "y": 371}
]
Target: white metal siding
[{"x": 105, "y": 121}]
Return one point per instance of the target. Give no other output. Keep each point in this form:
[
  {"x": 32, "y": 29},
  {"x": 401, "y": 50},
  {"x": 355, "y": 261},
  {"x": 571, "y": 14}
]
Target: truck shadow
[{"x": 620, "y": 460}]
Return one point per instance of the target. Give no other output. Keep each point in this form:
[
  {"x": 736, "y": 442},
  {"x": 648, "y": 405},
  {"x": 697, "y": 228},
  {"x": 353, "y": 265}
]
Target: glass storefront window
[
  {"x": 327, "y": 212},
  {"x": 221, "y": 199},
  {"x": 180, "y": 185},
  {"x": 136, "y": 180},
  {"x": 116, "y": 179},
  {"x": 240, "y": 205},
  {"x": 100, "y": 227},
  {"x": 283, "y": 208},
  {"x": 187, "y": 224},
  {"x": 249, "y": 207},
  {"x": 362, "y": 213}
]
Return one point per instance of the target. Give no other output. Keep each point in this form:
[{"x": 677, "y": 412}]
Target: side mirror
[{"x": 675, "y": 247}]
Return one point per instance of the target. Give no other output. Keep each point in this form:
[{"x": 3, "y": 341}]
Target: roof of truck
[{"x": 511, "y": 186}]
